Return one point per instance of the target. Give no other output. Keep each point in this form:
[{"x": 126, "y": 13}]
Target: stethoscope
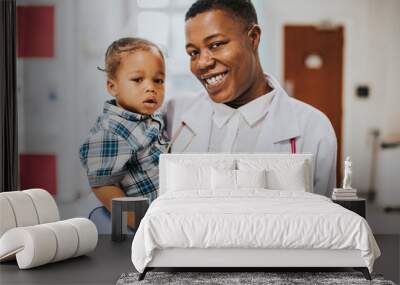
[
  {"x": 175, "y": 137},
  {"x": 183, "y": 124}
]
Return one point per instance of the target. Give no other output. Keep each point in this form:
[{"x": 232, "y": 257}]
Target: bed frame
[{"x": 246, "y": 259}]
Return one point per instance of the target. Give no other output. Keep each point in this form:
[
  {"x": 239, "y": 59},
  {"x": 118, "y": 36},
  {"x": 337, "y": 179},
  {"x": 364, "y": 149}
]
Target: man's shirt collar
[{"x": 252, "y": 112}]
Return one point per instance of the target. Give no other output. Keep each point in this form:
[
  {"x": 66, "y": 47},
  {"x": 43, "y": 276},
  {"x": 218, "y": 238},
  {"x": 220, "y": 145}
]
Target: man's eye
[
  {"x": 137, "y": 80},
  {"x": 215, "y": 45},
  {"x": 192, "y": 53}
]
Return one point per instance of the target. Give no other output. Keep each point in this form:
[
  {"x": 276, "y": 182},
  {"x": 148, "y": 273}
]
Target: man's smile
[{"x": 214, "y": 80}]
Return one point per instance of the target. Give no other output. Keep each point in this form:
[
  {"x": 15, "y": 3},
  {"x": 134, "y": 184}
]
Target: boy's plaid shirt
[{"x": 123, "y": 149}]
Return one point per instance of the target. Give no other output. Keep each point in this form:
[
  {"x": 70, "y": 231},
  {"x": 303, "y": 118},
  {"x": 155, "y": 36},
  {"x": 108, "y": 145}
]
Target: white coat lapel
[
  {"x": 281, "y": 123},
  {"x": 195, "y": 137}
]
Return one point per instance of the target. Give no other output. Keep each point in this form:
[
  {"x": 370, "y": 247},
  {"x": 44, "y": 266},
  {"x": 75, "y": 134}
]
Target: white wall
[
  {"x": 392, "y": 103},
  {"x": 62, "y": 96},
  {"x": 371, "y": 45},
  {"x": 49, "y": 99}
]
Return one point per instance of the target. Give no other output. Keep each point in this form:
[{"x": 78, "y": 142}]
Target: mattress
[{"x": 250, "y": 219}]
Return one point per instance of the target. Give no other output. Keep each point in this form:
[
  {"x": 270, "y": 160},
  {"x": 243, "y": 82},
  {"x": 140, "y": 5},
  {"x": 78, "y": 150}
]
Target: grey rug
[{"x": 269, "y": 278}]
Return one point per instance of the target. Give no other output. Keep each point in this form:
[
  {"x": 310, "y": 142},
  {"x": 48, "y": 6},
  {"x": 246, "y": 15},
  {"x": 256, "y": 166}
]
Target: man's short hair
[{"x": 243, "y": 9}]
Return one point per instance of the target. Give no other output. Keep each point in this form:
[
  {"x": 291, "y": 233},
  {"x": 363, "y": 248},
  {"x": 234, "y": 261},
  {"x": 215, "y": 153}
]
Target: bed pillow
[
  {"x": 293, "y": 178},
  {"x": 251, "y": 178},
  {"x": 176, "y": 170},
  {"x": 223, "y": 179},
  {"x": 183, "y": 178},
  {"x": 282, "y": 174},
  {"x": 195, "y": 174},
  {"x": 236, "y": 179}
]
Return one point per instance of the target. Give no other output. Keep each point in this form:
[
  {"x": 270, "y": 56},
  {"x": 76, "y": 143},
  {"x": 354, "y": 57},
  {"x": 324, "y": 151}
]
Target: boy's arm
[{"x": 105, "y": 195}]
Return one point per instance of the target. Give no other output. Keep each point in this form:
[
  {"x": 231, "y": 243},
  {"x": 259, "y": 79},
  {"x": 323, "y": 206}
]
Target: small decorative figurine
[{"x": 347, "y": 174}]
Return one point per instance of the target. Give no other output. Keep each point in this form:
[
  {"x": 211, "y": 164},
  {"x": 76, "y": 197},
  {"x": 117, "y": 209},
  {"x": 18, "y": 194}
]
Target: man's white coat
[{"x": 287, "y": 118}]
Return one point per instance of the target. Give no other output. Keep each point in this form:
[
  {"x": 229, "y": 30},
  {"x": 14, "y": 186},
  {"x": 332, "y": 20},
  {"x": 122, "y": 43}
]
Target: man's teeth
[{"x": 215, "y": 79}]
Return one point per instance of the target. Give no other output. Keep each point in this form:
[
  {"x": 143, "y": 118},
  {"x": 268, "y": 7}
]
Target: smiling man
[{"x": 243, "y": 109}]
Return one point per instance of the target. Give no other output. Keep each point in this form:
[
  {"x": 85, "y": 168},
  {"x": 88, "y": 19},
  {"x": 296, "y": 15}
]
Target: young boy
[{"x": 122, "y": 151}]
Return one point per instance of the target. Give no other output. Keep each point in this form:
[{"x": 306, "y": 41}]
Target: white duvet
[{"x": 251, "y": 218}]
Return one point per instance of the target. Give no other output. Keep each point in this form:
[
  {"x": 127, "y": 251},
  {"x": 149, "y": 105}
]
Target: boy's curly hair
[{"x": 117, "y": 48}]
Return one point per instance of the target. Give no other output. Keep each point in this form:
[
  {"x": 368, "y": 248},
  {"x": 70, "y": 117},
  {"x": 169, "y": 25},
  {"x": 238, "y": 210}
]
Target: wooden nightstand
[{"x": 356, "y": 205}]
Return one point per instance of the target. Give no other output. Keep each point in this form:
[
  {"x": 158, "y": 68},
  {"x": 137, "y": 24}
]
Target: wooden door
[{"x": 313, "y": 67}]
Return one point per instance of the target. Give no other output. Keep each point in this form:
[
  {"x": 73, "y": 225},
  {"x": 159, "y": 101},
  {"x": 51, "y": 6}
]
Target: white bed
[{"x": 200, "y": 221}]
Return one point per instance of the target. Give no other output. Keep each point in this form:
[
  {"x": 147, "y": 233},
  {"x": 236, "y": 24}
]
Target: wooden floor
[{"x": 110, "y": 260}]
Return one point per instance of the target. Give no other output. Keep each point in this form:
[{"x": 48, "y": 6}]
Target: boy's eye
[
  {"x": 159, "y": 81},
  {"x": 137, "y": 80}
]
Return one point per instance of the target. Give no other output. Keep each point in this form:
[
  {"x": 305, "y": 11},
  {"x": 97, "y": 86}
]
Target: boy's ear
[
  {"x": 255, "y": 35},
  {"x": 112, "y": 87}
]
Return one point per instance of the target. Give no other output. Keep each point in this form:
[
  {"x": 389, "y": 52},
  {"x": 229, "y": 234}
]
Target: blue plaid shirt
[{"x": 123, "y": 148}]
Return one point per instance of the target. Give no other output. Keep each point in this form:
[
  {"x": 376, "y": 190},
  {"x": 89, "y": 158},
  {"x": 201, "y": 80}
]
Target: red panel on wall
[
  {"x": 35, "y": 31},
  {"x": 38, "y": 171}
]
